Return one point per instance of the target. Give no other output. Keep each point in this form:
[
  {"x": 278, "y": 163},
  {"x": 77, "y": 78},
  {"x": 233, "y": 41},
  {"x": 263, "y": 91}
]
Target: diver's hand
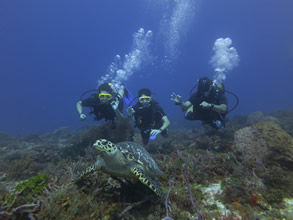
[
  {"x": 155, "y": 132},
  {"x": 176, "y": 98},
  {"x": 115, "y": 104},
  {"x": 130, "y": 111},
  {"x": 82, "y": 116},
  {"x": 205, "y": 105}
]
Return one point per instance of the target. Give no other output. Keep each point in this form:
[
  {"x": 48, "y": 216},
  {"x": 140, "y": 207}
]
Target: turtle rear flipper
[{"x": 140, "y": 174}]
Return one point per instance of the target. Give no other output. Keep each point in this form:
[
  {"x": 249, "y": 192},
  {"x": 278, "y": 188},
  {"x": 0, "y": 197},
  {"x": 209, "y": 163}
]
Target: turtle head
[{"x": 103, "y": 145}]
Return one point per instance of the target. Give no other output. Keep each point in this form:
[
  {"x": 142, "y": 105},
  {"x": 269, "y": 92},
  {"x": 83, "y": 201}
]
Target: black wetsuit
[
  {"x": 148, "y": 118},
  {"x": 102, "y": 110},
  {"x": 207, "y": 116}
]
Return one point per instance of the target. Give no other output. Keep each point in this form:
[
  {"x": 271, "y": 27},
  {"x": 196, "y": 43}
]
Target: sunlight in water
[{"x": 176, "y": 23}]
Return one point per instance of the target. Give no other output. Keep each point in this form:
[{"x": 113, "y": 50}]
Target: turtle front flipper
[
  {"x": 89, "y": 170},
  {"x": 140, "y": 174}
]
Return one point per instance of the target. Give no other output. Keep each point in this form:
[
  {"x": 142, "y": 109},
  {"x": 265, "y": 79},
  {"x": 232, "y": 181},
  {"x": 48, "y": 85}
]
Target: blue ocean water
[{"x": 52, "y": 51}]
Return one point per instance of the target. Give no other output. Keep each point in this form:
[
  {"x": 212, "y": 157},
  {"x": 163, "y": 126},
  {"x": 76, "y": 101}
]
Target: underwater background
[{"x": 53, "y": 51}]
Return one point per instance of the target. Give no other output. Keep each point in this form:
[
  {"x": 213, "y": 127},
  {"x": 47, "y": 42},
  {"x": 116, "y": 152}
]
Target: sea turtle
[{"x": 128, "y": 160}]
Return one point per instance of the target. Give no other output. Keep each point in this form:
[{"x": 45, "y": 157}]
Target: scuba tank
[{"x": 128, "y": 97}]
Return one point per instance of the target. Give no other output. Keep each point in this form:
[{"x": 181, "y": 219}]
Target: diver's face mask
[
  {"x": 204, "y": 86},
  {"x": 145, "y": 101},
  {"x": 105, "y": 97}
]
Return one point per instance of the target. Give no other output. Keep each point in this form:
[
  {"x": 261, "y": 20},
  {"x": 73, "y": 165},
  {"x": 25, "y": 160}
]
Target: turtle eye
[
  {"x": 104, "y": 142},
  {"x": 98, "y": 143}
]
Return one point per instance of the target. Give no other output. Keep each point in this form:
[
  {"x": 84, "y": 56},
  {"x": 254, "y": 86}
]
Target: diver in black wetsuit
[
  {"x": 149, "y": 116},
  {"x": 208, "y": 104},
  {"x": 107, "y": 103}
]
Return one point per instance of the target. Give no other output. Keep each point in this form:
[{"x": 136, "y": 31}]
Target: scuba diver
[
  {"x": 107, "y": 103},
  {"x": 208, "y": 104},
  {"x": 149, "y": 117}
]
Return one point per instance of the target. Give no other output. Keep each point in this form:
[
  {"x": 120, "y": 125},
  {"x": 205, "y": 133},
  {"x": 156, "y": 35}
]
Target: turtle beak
[
  {"x": 100, "y": 149},
  {"x": 97, "y": 143}
]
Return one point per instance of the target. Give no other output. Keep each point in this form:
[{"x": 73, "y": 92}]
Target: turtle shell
[{"x": 135, "y": 152}]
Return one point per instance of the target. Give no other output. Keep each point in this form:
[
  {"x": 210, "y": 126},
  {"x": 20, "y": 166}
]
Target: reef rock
[
  {"x": 279, "y": 142},
  {"x": 249, "y": 145},
  {"x": 264, "y": 142},
  {"x": 256, "y": 117},
  {"x": 286, "y": 119}
]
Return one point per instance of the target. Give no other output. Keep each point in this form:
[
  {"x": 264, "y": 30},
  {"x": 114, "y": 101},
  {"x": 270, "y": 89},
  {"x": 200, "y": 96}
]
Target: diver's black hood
[
  {"x": 144, "y": 91},
  {"x": 105, "y": 87}
]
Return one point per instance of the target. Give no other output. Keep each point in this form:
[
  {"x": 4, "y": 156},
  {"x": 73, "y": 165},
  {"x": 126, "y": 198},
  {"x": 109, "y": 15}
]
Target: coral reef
[
  {"x": 249, "y": 146},
  {"x": 279, "y": 142},
  {"x": 266, "y": 142},
  {"x": 22, "y": 202},
  {"x": 26, "y": 190},
  {"x": 244, "y": 171}
]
